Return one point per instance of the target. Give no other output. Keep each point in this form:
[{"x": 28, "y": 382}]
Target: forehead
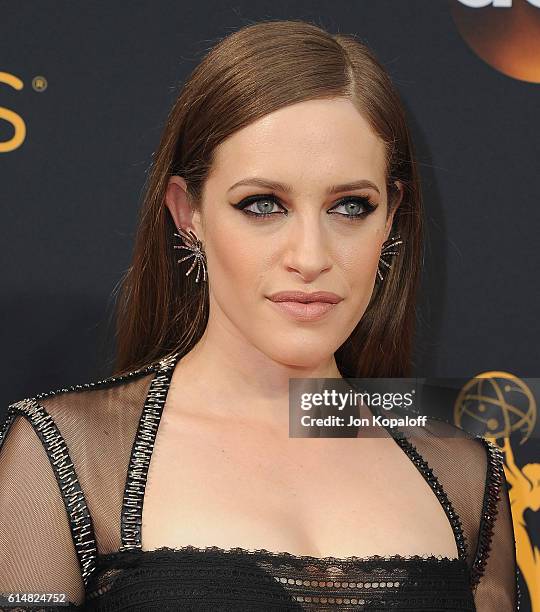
[{"x": 316, "y": 141}]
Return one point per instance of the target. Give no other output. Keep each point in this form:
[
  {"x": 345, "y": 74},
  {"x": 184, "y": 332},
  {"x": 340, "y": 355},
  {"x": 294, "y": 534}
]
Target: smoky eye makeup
[{"x": 355, "y": 208}]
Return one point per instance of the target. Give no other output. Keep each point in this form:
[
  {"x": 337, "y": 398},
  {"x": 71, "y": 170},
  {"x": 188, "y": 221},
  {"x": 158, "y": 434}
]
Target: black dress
[{"x": 73, "y": 467}]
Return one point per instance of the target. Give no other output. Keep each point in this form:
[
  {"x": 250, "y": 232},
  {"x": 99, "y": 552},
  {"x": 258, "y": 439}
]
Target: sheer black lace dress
[{"x": 73, "y": 467}]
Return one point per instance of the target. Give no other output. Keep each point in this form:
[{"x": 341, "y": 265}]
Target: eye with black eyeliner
[{"x": 358, "y": 201}]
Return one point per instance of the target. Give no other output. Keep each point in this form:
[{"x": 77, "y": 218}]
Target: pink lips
[{"x": 305, "y": 306}]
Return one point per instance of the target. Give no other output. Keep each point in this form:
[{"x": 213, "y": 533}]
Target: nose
[{"x": 307, "y": 252}]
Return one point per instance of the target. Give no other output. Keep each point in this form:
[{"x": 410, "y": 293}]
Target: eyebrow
[{"x": 277, "y": 186}]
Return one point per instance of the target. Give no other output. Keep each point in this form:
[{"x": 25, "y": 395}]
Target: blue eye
[
  {"x": 362, "y": 203},
  {"x": 265, "y": 204}
]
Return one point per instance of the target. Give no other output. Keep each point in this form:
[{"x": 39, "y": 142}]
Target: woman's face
[{"x": 309, "y": 240}]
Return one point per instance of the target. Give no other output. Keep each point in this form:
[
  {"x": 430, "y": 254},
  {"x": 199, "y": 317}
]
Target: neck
[{"x": 225, "y": 376}]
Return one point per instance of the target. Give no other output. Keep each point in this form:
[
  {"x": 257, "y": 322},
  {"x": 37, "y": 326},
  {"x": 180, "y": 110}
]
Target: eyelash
[{"x": 364, "y": 200}]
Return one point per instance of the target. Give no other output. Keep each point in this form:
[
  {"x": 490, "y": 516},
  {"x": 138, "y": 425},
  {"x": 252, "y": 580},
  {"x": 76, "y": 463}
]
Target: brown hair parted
[{"x": 252, "y": 72}]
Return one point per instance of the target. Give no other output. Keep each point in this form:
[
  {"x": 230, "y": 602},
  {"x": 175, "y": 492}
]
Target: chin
[{"x": 301, "y": 356}]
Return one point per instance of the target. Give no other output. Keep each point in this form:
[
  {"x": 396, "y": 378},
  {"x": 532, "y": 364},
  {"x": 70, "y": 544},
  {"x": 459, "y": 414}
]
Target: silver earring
[
  {"x": 195, "y": 246},
  {"x": 387, "y": 251}
]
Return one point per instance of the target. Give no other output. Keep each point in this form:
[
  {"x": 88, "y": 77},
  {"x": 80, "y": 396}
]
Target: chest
[{"x": 231, "y": 487}]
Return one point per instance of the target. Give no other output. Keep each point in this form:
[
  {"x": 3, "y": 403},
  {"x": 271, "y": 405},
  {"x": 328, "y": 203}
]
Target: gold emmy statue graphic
[{"x": 502, "y": 404}]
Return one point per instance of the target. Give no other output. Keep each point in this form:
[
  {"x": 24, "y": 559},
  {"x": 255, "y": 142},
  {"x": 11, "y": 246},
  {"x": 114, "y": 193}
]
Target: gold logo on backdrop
[
  {"x": 505, "y": 409},
  {"x": 12, "y": 117}
]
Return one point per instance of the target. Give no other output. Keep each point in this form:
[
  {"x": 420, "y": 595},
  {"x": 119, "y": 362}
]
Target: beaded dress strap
[
  {"x": 492, "y": 494},
  {"x": 427, "y": 472},
  {"x": 80, "y": 520},
  {"x": 431, "y": 478},
  {"x": 141, "y": 453}
]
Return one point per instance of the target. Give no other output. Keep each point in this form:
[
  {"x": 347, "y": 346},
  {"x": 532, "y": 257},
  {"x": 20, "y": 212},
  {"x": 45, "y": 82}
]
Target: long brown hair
[{"x": 254, "y": 71}]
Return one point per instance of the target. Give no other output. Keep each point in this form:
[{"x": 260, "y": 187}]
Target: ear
[
  {"x": 179, "y": 205},
  {"x": 394, "y": 201}
]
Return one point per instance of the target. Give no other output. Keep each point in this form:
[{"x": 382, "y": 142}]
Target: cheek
[
  {"x": 361, "y": 274},
  {"x": 235, "y": 264},
  {"x": 361, "y": 266}
]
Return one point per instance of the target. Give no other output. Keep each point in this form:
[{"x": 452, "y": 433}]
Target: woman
[{"x": 286, "y": 165}]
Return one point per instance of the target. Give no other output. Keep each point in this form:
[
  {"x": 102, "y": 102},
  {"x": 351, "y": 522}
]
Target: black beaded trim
[
  {"x": 141, "y": 452},
  {"x": 492, "y": 494},
  {"x": 80, "y": 521},
  {"x": 433, "y": 481},
  {"x": 4, "y": 427},
  {"x": 104, "y": 382}
]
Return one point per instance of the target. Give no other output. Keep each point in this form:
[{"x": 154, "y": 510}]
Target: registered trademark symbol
[{"x": 39, "y": 83}]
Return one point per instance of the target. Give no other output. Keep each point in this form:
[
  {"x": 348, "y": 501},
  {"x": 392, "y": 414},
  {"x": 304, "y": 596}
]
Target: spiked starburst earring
[
  {"x": 195, "y": 246},
  {"x": 387, "y": 251}
]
